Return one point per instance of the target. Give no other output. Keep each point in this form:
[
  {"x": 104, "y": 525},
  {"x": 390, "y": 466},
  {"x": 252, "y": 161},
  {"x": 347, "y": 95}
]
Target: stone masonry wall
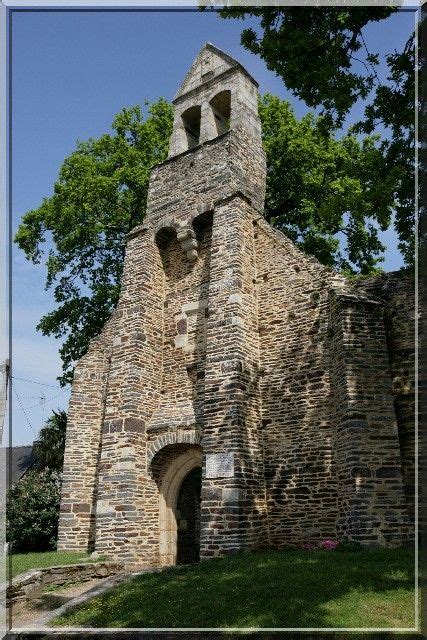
[
  {"x": 297, "y": 405},
  {"x": 184, "y": 342},
  {"x": 179, "y": 190},
  {"x": 30, "y": 585},
  {"x": 82, "y": 447},
  {"x": 397, "y": 292},
  {"x": 233, "y": 508},
  {"x": 372, "y": 507},
  {"x": 128, "y": 502},
  {"x": 331, "y": 452}
]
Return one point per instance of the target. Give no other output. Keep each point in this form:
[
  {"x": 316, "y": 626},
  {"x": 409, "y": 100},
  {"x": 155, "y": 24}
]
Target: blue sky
[{"x": 71, "y": 73}]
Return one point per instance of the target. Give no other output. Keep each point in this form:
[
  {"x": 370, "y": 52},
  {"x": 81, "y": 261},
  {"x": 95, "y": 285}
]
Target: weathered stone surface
[
  {"x": 30, "y": 585},
  {"x": 228, "y": 339}
]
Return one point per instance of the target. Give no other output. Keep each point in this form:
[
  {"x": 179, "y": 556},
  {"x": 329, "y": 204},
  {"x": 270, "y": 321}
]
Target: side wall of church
[
  {"x": 297, "y": 399},
  {"x": 331, "y": 449},
  {"x": 397, "y": 292},
  {"x": 83, "y": 442},
  {"x": 372, "y": 507}
]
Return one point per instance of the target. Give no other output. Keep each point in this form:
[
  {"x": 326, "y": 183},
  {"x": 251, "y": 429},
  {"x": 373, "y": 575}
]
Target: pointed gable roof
[{"x": 210, "y": 63}]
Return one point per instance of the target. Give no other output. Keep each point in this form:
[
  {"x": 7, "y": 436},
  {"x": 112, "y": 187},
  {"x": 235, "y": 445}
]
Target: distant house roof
[{"x": 21, "y": 460}]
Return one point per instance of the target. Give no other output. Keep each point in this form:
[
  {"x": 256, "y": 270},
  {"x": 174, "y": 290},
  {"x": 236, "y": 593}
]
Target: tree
[
  {"x": 49, "y": 446},
  {"x": 32, "y": 511},
  {"x": 322, "y": 57},
  {"x": 318, "y": 189},
  {"x": 99, "y": 197},
  {"x": 321, "y": 189}
]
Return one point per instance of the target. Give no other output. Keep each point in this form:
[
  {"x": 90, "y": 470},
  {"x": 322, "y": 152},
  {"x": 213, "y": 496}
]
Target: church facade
[{"x": 241, "y": 395}]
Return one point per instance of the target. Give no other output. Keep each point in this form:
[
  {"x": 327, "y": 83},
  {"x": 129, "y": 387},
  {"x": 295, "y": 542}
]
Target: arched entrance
[
  {"x": 179, "y": 509},
  {"x": 188, "y": 518}
]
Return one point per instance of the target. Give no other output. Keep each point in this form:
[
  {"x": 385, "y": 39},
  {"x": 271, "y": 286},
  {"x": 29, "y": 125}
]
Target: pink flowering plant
[
  {"x": 325, "y": 545},
  {"x": 328, "y": 544}
]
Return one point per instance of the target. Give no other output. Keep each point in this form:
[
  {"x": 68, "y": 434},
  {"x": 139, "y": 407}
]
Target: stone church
[{"x": 241, "y": 395}]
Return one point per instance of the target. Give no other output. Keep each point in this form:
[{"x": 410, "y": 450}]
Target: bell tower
[
  {"x": 217, "y": 95},
  {"x": 180, "y": 381},
  {"x": 216, "y": 107},
  {"x": 204, "y": 199}
]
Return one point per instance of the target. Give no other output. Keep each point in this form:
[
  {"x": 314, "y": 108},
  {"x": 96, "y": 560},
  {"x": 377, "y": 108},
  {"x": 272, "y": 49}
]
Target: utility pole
[{"x": 4, "y": 381}]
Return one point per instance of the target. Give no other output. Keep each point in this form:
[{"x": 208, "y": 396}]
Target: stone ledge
[
  {"x": 30, "y": 584},
  {"x": 187, "y": 152}
]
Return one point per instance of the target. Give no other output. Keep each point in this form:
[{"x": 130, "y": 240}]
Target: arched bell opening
[
  {"x": 191, "y": 122},
  {"x": 221, "y": 108},
  {"x": 177, "y": 470}
]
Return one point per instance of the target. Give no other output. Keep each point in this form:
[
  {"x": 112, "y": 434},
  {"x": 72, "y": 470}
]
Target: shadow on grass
[
  {"x": 50, "y": 601},
  {"x": 287, "y": 589}
]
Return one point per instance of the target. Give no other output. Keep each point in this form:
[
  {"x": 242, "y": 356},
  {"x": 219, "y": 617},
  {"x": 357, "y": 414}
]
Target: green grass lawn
[
  {"x": 21, "y": 562},
  {"x": 264, "y": 589}
]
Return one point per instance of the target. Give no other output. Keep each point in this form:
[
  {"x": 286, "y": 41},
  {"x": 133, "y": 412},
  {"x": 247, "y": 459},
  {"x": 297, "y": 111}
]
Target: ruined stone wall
[
  {"x": 297, "y": 399},
  {"x": 397, "y": 292},
  {"x": 372, "y": 507},
  {"x": 331, "y": 451},
  {"x": 83, "y": 442}
]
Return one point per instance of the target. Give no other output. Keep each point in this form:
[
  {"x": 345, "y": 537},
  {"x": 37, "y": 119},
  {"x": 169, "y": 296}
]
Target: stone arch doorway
[
  {"x": 179, "y": 508},
  {"x": 188, "y": 518}
]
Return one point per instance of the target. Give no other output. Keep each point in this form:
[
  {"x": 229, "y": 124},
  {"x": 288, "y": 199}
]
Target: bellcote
[{"x": 217, "y": 95}]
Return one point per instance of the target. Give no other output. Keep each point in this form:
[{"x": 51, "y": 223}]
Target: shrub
[
  {"x": 32, "y": 511},
  {"x": 49, "y": 447}
]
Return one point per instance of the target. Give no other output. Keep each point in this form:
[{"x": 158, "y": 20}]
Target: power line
[
  {"x": 23, "y": 410},
  {"x": 46, "y": 400},
  {"x": 36, "y": 382}
]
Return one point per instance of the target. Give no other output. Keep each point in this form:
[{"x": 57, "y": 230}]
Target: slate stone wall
[
  {"x": 86, "y": 413},
  {"x": 372, "y": 507},
  {"x": 396, "y": 291},
  {"x": 297, "y": 398}
]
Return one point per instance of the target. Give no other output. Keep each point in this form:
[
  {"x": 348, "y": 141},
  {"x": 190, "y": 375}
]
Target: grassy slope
[
  {"x": 21, "y": 562},
  {"x": 265, "y": 589}
]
